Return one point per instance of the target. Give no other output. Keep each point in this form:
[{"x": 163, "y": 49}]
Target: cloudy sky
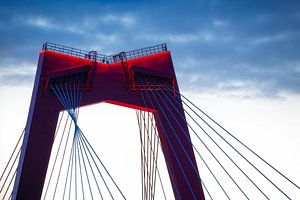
[
  {"x": 240, "y": 59},
  {"x": 223, "y": 45}
]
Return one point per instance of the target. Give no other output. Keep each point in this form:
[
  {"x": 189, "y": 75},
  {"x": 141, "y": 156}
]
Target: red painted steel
[{"x": 105, "y": 83}]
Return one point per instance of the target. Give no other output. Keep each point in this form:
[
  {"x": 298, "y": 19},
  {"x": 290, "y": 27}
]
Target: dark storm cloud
[{"x": 224, "y": 45}]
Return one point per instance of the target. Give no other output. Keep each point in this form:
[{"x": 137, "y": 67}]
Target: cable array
[
  {"x": 9, "y": 173},
  {"x": 229, "y": 168},
  {"x": 77, "y": 171},
  {"x": 224, "y": 162},
  {"x": 149, "y": 154}
]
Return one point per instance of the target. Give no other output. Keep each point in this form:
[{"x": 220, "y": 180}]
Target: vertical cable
[
  {"x": 170, "y": 172},
  {"x": 172, "y": 148}
]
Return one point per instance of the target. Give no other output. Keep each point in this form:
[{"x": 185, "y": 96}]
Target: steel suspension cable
[
  {"x": 86, "y": 154},
  {"x": 189, "y": 140},
  {"x": 170, "y": 173},
  {"x": 142, "y": 151},
  {"x": 66, "y": 101},
  {"x": 56, "y": 156},
  {"x": 81, "y": 153},
  {"x": 88, "y": 150},
  {"x": 156, "y": 141},
  {"x": 60, "y": 94},
  {"x": 73, "y": 111},
  {"x": 172, "y": 148},
  {"x": 146, "y": 162},
  {"x": 155, "y": 157},
  {"x": 5, "y": 181},
  {"x": 195, "y": 170},
  {"x": 152, "y": 153},
  {"x": 161, "y": 183},
  {"x": 12, "y": 178},
  {"x": 58, "y": 126},
  {"x": 86, "y": 142},
  {"x": 71, "y": 177},
  {"x": 71, "y": 101},
  {"x": 149, "y": 145},
  {"x": 73, "y": 163},
  {"x": 82, "y": 188},
  {"x": 268, "y": 179},
  {"x": 69, "y": 163},
  {"x": 239, "y": 141},
  {"x": 62, "y": 160},
  {"x": 238, "y": 152},
  {"x": 15, "y": 148},
  {"x": 144, "y": 159},
  {"x": 154, "y": 163},
  {"x": 192, "y": 144},
  {"x": 224, "y": 154}
]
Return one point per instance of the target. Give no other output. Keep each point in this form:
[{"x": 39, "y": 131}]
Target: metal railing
[
  {"x": 93, "y": 55},
  {"x": 140, "y": 52}
]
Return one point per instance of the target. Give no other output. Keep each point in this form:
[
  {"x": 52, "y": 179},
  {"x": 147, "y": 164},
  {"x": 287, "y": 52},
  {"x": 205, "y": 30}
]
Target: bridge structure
[{"x": 144, "y": 80}]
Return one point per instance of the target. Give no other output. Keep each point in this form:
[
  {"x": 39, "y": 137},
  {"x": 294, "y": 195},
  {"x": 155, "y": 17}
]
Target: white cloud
[
  {"x": 181, "y": 38},
  {"x": 269, "y": 38},
  {"x": 47, "y": 23},
  {"x": 219, "y": 23},
  {"x": 22, "y": 69},
  {"x": 296, "y": 67},
  {"x": 125, "y": 20},
  {"x": 107, "y": 38},
  {"x": 16, "y": 74},
  {"x": 38, "y": 21}
]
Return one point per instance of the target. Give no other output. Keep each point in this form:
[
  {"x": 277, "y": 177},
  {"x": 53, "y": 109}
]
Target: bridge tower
[{"x": 113, "y": 79}]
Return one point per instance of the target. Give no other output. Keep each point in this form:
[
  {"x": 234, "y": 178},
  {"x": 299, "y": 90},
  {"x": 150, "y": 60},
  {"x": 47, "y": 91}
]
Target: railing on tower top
[{"x": 93, "y": 55}]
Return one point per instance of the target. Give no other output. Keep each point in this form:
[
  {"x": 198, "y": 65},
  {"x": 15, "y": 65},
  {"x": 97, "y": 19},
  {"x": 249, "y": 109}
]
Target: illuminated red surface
[{"x": 106, "y": 84}]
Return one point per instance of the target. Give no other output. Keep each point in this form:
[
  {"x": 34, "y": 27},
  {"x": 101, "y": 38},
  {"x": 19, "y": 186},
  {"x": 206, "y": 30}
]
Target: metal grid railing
[
  {"x": 93, "y": 55},
  {"x": 139, "y": 52}
]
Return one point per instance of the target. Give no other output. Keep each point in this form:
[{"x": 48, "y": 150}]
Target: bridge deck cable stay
[
  {"x": 9, "y": 172},
  {"x": 230, "y": 176},
  {"x": 168, "y": 139},
  {"x": 82, "y": 157},
  {"x": 157, "y": 90},
  {"x": 186, "y": 101},
  {"x": 149, "y": 152},
  {"x": 243, "y": 144}
]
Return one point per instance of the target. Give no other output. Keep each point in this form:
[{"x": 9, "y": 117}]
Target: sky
[{"x": 239, "y": 60}]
